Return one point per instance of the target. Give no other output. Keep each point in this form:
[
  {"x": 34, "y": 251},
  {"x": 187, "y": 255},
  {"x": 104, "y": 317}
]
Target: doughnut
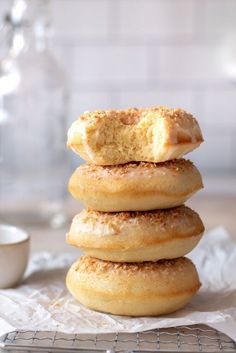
[
  {"x": 136, "y": 186},
  {"x": 137, "y": 289},
  {"x": 136, "y": 236},
  {"x": 108, "y": 137}
]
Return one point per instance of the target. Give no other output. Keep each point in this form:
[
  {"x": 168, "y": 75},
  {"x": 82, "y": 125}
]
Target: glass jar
[{"x": 33, "y": 106}]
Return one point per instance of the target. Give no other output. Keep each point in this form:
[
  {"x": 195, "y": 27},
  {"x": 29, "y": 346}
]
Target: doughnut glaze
[
  {"x": 108, "y": 137},
  {"x": 136, "y": 236},
  {"x": 137, "y": 289},
  {"x": 135, "y": 186}
]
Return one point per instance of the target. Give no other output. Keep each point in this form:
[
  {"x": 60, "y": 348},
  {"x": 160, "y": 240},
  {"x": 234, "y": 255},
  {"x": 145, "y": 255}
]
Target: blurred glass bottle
[{"x": 33, "y": 104}]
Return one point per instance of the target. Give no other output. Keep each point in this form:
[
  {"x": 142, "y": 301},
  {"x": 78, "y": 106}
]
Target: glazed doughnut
[
  {"x": 136, "y": 186},
  {"x": 137, "y": 289},
  {"x": 108, "y": 137},
  {"x": 136, "y": 236}
]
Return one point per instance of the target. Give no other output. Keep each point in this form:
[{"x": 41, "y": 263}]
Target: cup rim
[{"x": 17, "y": 229}]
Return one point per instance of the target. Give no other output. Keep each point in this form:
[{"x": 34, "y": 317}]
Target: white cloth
[{"x": 42, "y": 302}]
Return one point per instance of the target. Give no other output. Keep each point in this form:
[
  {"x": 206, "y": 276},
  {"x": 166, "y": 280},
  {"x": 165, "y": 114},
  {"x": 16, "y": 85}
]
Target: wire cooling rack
[{"x": 197, "y": 338}]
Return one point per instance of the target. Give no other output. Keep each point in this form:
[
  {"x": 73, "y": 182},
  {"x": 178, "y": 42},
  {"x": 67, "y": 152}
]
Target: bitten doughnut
[
  {"x": 136, "y": 236},
  {"x": 138, "y": 289},
  {"x": 107, "y": 137},
  {"x": 136, "y": 186}
]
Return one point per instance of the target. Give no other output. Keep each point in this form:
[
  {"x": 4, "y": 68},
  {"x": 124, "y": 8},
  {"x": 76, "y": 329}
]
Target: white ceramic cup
[{"x": 14, "y": 254}]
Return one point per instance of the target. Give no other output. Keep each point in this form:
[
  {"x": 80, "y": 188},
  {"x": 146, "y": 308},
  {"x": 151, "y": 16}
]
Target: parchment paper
[{"x": 43, "y": 303}]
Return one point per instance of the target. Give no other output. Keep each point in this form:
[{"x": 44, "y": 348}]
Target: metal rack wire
[{"x": 197, "y": 338}]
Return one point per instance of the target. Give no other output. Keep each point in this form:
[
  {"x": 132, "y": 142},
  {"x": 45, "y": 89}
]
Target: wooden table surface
[{"x": 214, "y": 211}]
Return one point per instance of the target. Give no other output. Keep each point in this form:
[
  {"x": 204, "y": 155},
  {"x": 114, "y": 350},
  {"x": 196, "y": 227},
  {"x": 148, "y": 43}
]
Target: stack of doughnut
[{"x": 135, "y": 229}]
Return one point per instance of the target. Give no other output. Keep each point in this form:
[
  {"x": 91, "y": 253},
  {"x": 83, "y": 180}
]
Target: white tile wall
[
  {"x": 65, "y": 57},
  {"x": 119, "y": 53},
  {"x": 156, "y": 19},
  {"x": 195, "y": 62},
  {"x": 219, "y": 17},
  {"x": 82, "y": 101},
  {"x": 215, "y": 154},
  {"x": 81, "y": 19},
  {"x": 111, "y": 63},
  {"x": 219, "y": 108},
  {"x": 174, "y": 98}
]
